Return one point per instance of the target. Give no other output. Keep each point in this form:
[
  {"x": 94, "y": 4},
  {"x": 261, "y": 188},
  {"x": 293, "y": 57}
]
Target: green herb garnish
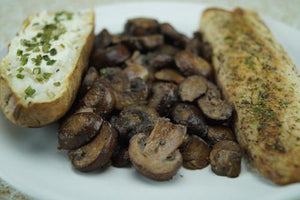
[
  {"x": 51, "y": 62},
  {"x": 47, "y": 75},
  {"x": 20, "y": 76},
  {"x": 46, "y": 47},
  {"x": 37, "y": 61},
  {"x": 62, "y": 45},
  {"x": 19, "y": 52},
  {"x": 53, "y": 52},
  {"x": 102, "y": 71},
  {"x": 29, "y": 91},
  {"x": 46, "y": 57},
  {"x": 36, "y": 70},
  {"x": 56, "y": 84},
  {"x": 24, "y": 59},
  {"x": 20, "y": 69}
]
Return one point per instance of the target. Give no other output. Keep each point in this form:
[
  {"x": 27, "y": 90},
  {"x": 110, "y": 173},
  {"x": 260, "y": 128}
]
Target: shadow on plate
[{"x": 34, "y": 140}]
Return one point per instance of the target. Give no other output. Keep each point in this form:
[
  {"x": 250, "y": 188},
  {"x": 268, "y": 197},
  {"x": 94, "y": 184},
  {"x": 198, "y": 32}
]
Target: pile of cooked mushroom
[{"x": 149, "y": 99}]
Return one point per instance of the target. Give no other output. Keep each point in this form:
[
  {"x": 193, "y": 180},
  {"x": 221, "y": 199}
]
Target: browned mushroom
[
  {"x": 213, "y": 91},
  {"x": 121, "y": 158},
  {"x": 141, "y": 26},
  {"x": 195, "y": 153},
  {"x": 102, "y": 40},
  {"x": 191, "y": 64},
  {"x": 127, "y": 91},
  {"x": 170, "y": 75},
  {"x": 218, "y": 133},
  {"x": 164, "y": 97},
  {"x": 88, "y": 80},
  {"x": 167, "y": 50},
  {"x": 172, "y": 36},
  {"x": 135, "y": 119},
  {"x": 110, "y": 56},
  {"x": 137, "y": 71},
  {"x": 159, "y": 60},
  {"x": 108, "y": 73},
  {"x": 216, "y": 109},
  {"x": 157, "y": 156},
  {"x": 99, "y": 99},
  {"x": 194, "y": 46},
  {"x": 98, "y": 152},
  {"x": 192, "y": 88},
  {"x": 206, "y": 51},
  {"x": 144, "y": 43},
  {"x": 78, "y": 129},
  {"x": 225, "y": 158},
  {"x": 118, "y": 38},
  {"x": 190, "y": 116},
  {"x": 136, "y": 59}
]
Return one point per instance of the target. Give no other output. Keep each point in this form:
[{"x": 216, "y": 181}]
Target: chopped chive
[
  {"x": 36, "y": 70},
  {"x": 38, "y": 35},
  {"x": 46, "y": 47},
  {"x": 56, "y": 84},
  {"x": 37, "y": 61},
  {"x": 20, "y": 69},
  {"x": 24, "y": 60},
  {"x": 47, "y": 75},
  {"x": 53, "y": 52},
  {"x": 29, "y": 91},
  {"x": 36, "y": 49},
  {"x": 46, "y": 57},
  {"x": 36, "y": 23},
  {"x": 51, "y": 62},
  {"x": 62, "y": 45},
  {"x": 20, "y": 76},
  {"x": 19, "y": 52},
  {"x": 102, "y": 71},
  {"x": 39, "y": 79}
]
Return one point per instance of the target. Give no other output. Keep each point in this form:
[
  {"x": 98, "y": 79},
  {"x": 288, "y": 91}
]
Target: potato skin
[{"x": 40, "y": 114}]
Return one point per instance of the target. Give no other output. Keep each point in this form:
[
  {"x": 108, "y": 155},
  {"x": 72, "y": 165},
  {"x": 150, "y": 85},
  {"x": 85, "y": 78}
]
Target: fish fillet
[{"x": 261, "y": 82}]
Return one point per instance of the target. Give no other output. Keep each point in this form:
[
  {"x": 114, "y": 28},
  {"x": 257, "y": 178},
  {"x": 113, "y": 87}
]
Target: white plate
[{"x": 30, "y": 161}]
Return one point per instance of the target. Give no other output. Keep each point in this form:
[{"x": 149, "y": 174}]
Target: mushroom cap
[{"x": 157, "y": 156}]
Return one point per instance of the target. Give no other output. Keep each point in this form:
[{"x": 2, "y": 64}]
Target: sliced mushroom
[
  {"x": 216, "y": 134},
  {"x": 128, "y": 91},
  {"x": 136, "y": 59},
  {"x": 167, "y": 50},
  {"x": 98, "y": 152},
  {"x": 137, "y": 71},
  {"x": 78, "y": 129},
  {"x": 192, "y": 88},
  {"x": 99, "y": 99},
  {"x": 195, "y": 153},
  {"x": 108, "y": 73},
  {"x": 164, "y": 97},
  {"x": 206, "y": 51},
  {"x": 213, "y": 91},
  {"x": 141, "y": 26},
  {"x": 136, "y": 93},
  {"x": 172, "y": 36},
  {"x": 119, "y": 38},
  {"x": 88, "y": 80},
  {"x": 121, "y": 158},
  {"x": 159, "y": 60},
  {"x": 190, "y": 116},
  {"x": 157, "y": 156},
  {"x": 135, "y": 119},
  {"x": 144, "y": 43},
  {"x": 191, "y": 64},
  {"x": 170, "y": 75},
  {"x": 194, "y": 46},
  {"x": 103, "y": 39},
  {"x": 110, "y": 56},
  {"x": 216, "y": 109},
  {"x": 225, "y": 159}
]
